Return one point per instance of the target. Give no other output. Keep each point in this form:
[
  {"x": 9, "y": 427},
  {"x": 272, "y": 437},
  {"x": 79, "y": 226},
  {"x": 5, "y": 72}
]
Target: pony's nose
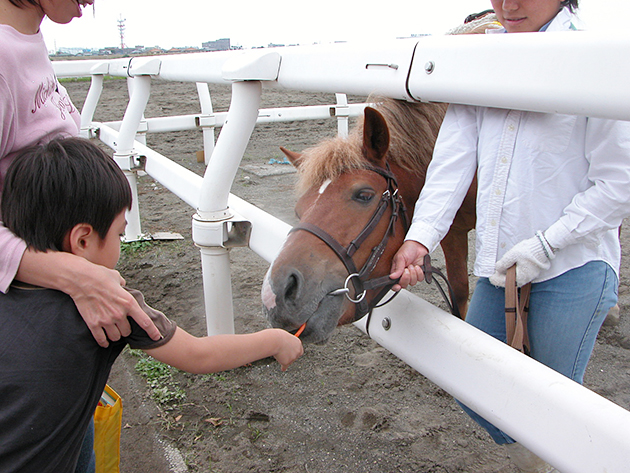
[{"x": 293, "y": 285}]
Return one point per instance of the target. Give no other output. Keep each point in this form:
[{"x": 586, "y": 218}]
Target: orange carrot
[{"x": 300, "y": 330}]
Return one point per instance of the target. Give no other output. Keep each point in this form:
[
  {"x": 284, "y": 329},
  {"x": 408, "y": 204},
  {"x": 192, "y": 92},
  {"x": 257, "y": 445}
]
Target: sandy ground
[{"x": 349, "y": 406}]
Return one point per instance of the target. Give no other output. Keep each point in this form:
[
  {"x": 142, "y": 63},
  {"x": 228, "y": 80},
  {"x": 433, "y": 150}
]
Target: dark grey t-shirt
[{"x": 52, "y": 373}]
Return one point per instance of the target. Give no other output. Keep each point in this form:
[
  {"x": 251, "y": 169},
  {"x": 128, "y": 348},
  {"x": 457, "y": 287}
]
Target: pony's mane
[{"x": 413, "y": 128}]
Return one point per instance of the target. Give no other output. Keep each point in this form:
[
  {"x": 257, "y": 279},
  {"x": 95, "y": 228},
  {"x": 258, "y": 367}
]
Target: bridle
[{"x": 360, "y": 279}]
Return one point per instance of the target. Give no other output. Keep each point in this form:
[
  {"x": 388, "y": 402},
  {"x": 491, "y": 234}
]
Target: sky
[{"x": 253, "y": 23}]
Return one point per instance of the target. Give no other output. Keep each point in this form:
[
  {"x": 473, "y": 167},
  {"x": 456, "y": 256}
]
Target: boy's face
[{"x": 107, "y": 253}]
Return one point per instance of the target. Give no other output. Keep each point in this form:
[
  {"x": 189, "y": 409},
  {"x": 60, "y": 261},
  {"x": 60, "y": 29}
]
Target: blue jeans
[
  {"x": 87, "y": 460},
  {"x": 565, "y": 315}
]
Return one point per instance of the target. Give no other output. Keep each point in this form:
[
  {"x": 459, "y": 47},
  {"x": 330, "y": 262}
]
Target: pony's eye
[{"x": 364, "y": 195}]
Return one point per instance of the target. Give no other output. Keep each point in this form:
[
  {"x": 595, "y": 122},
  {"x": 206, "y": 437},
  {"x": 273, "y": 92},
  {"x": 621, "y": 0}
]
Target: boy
[{"x": 68, "y": 195}]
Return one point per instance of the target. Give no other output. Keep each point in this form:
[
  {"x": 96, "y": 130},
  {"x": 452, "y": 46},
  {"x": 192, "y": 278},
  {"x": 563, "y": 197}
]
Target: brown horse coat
[{"x": 337, "y": 193}]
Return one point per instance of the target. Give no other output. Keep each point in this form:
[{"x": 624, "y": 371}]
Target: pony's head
[{"x": 351, "y": 205}]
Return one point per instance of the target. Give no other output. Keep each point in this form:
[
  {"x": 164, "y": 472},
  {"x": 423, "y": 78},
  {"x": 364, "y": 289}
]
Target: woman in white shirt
[{"x": 552, "y": 193}]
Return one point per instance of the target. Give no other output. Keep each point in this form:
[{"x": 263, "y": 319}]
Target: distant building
[
  {"x": 116, "y": 50},
  {"x": 153, "y": 51},
  {"x": 184, "y": 50},
  {"x": 222, "y": 44},
  {"x": 72, "y": 51}
]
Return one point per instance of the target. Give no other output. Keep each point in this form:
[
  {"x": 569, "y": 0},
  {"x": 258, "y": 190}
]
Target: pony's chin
[
  {"x": 323, "y": 327},
  {"x": 320, "y": 325},
  {"x": 317, "y": 338},
  {"x": 317, "y": 334}
]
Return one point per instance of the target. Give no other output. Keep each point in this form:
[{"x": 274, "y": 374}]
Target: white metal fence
[{"x": 576, "y": 73}]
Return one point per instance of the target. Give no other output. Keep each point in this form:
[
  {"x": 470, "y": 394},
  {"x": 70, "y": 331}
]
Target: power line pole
[{"x": 121, "y": 30}]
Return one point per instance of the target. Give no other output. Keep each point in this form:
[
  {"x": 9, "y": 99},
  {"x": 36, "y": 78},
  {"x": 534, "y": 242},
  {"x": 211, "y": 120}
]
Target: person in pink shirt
[{"x": 34, "y": 108}]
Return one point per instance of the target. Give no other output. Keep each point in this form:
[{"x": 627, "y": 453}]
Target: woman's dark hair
[
  {"x": 476, "y": 16},
  {"x": 51, "y": 188},
  {"x": 572, "y": 4}
]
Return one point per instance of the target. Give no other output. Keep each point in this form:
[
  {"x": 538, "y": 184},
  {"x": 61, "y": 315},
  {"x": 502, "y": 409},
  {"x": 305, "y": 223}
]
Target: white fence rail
[{"x": 580, "y": 73}]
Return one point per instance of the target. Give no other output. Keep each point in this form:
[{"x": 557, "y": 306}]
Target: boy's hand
[{"x": 290, "y": 348}]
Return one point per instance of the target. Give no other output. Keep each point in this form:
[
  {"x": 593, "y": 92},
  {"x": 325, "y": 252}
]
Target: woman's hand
[
  {"x": 105, "y": 306},
  {"x": 531, "y": 257},
  {"x": 406, "y": 264}
]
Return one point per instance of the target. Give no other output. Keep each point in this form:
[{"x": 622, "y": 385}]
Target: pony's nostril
[{"x": 291, "y": 288}]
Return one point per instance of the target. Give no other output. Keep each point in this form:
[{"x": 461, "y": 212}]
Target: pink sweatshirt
[{"x": 34, "y": 108}]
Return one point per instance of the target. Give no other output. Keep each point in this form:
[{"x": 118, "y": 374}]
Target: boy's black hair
[{"x": 51, "y": 188}]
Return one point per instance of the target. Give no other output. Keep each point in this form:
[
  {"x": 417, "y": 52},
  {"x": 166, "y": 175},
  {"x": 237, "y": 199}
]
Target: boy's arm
[
  {"x": 96, "y": 290},
  {"x": 224, "y": 352}
]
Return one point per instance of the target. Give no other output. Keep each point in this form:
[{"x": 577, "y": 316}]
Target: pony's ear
[
  {"x": 292, "y": 156},
  {"x": 375, "y": 136}
]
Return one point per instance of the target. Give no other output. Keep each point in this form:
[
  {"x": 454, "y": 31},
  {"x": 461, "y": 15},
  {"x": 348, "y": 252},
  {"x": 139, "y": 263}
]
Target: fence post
[
  {"x": 206, "y": 121},
  {"x": 124, "y": 154},
  {"x": 89, "y": 106},
  {"x": 342, "y": 112},
  {"x": 211, "y": 224}
]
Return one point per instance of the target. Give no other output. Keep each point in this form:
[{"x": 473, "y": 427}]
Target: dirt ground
[{"x": 348, "y": 406}]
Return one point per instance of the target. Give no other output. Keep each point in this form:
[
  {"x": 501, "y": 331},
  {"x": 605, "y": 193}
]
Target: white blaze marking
[
  {"x": 267, "y": 295},
  {"x": 322, "y": 189}
]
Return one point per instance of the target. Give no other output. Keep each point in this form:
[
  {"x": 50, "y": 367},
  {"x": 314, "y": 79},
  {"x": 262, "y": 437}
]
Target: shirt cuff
[
  {"x": 558, "y": 236},
  {"x": 424, "y": 234}
]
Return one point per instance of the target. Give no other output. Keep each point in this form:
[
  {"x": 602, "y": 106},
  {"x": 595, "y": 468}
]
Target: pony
[
  {"x": 355, "y": 201},
  {"x": 313, "y": 285}
]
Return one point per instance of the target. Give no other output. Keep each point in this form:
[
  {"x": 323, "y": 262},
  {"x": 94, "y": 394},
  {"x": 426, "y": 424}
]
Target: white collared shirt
[{"x": 567, "y": 176}]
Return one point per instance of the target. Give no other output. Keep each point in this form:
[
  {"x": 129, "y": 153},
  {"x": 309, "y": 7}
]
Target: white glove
[{"x": 531, "y": 256}]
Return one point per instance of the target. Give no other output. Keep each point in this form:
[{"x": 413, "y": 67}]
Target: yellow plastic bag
[{"x": 107, "y": 424}]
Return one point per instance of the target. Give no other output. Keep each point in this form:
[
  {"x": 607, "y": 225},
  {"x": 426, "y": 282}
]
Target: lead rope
[
  {"x": 516, "y": 309},
  {"x": 429, "y": 273}
]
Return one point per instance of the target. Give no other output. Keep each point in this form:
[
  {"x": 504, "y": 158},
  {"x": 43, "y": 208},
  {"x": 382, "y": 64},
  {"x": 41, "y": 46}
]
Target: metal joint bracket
[
  {"x": 101, "y": 68},
  {"x": 143, "y": 127},
  {"x": 129, "y": 161},
  {"x": 142, "y": 66},
  {"x": 204, "y": 121},
  {"x": 90, "y": 132},
  {"x": 252, "y": 65},
  {"x": 340, "y": 111},
  {"x": 229, "y": 233}
]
